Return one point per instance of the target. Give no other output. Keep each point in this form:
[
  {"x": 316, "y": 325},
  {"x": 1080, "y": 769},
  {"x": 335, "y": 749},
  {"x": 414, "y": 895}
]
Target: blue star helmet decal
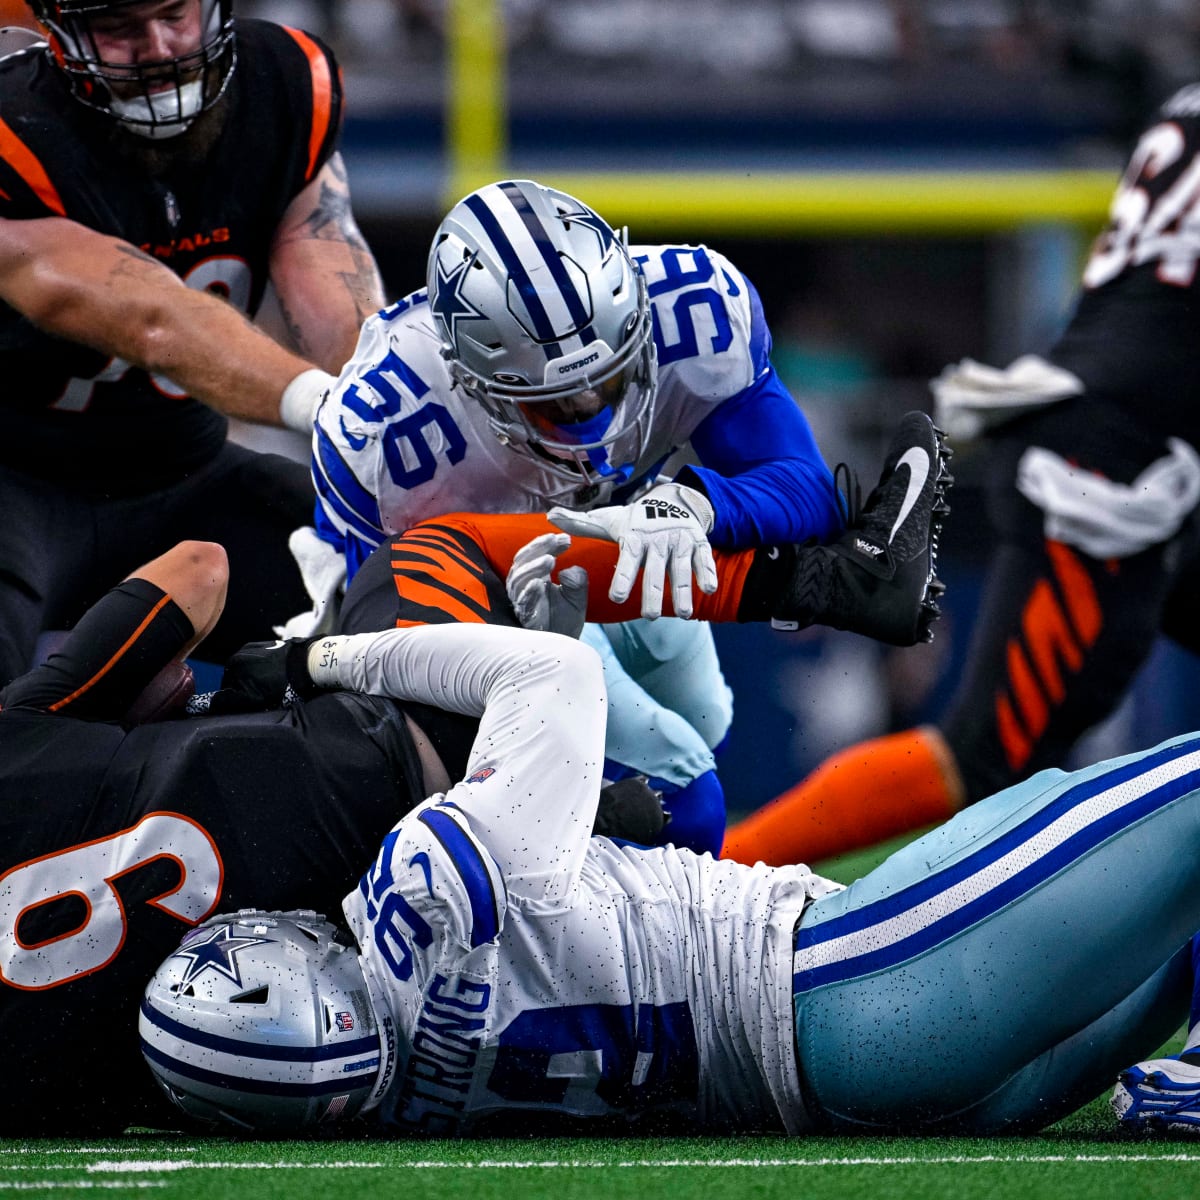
[
  {"x": 448, "y": 302},
  {"x": 593, "y": 221},
  {"x": 216, "y": 951}
]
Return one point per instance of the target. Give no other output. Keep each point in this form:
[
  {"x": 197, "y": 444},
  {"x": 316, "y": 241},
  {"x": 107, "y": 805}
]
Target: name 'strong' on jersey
[
  {"x": 655, "y": 982},
  {"x": 395, "y": 443}
]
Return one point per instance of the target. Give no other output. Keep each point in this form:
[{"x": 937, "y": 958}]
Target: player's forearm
[
  {"x": 85, "y": 287},
  {"x": 230, "y": 365},
  {"x": 461, "y": 668},
  {"x": 790, "y": 500}
]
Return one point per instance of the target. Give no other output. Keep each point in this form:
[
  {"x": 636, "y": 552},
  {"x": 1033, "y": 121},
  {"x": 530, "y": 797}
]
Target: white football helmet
[
  {"x": 262, "y": 1021},
  {"x": 546, "y": 322},
  {"x": 153, "y": 99}
]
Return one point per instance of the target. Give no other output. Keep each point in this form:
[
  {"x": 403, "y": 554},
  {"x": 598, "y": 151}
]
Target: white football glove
[
  {"x": 666, "y": 529},
  {"x": 538, "y": 601}
]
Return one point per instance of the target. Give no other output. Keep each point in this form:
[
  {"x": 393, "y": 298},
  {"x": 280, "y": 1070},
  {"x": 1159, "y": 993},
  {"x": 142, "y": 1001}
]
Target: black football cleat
[{"x": 879, "y": 578}]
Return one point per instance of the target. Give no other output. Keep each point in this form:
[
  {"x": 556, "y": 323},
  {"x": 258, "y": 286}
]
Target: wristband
[
  {"x": 298, "y": 404},
  {"x": 317, "y": 662}
]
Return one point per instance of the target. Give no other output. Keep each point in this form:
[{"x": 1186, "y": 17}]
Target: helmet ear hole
[{"x": 254, "y": 996}]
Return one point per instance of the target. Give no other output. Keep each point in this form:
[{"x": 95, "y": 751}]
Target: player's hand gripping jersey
[
  {"x": 69, "y": 412},
  {"x": 517, "y": 963},
  {"x": 395, "y": 442}
]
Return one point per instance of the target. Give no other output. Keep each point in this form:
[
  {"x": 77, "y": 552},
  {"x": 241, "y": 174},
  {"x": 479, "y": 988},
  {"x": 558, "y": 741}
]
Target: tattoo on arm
[
  {"x": 135, "y": 252},
  {"x": 337, "y": 167},
  {"x": 295, "y": 331},
  {"x": 331, "y": 219},
  {"x": 363, "y": 285}
]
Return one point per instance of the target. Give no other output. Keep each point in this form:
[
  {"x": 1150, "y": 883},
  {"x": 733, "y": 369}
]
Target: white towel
[
  {"x": 969, "y": 398},
  {"x": 1106, "y": 519},
  {"x": 323, "y": 569}
]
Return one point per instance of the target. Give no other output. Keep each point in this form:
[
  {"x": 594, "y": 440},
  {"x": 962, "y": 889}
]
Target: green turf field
[{"x": 1081, "y": 1158}]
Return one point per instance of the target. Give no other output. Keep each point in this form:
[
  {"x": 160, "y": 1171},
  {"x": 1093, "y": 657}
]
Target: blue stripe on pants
[{"x": 980, "y": 947}]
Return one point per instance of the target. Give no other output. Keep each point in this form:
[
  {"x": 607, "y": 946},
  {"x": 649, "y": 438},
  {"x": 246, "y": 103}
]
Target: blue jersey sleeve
[{"x": 762, "y": 470}]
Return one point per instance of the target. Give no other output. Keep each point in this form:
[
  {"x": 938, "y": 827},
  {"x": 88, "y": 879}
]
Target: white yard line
[{"x": 152, "y": 1166}]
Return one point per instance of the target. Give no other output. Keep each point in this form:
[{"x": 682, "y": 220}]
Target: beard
[{"x": 190, "y": 148}]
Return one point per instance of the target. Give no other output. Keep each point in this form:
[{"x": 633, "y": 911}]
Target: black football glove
[
  {"x": 258, "y": 676},
  {"x": 631, "y": 810}
]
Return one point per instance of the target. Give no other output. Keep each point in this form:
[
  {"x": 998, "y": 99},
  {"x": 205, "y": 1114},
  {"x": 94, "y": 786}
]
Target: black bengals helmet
[{"x": 156, "y": 99}]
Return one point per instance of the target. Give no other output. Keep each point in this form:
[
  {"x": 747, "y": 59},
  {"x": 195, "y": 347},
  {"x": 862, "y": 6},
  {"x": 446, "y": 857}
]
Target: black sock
[{"x": 766, "y": 582}]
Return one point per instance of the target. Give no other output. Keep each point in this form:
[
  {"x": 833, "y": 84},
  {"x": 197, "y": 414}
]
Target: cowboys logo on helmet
[
  {"x": 263, "y": 1021},
  {"x": 546, "y": 322},
  {"x": 156, "y": 98}
]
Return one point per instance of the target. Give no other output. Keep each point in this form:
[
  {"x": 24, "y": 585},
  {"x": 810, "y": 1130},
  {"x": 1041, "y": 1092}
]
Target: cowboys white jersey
[
  {"x": 395, "y": 443},
  {"x": 653, "y": 981}
]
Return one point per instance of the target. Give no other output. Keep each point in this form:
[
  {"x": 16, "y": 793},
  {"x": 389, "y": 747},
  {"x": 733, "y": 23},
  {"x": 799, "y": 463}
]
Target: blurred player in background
[
  {"x": 154, "y": 152},
  {"x": 1093, "y": 482},
  {"x": 550, "y": 366}
]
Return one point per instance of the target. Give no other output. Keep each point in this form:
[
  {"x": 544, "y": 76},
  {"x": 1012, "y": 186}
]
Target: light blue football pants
[
  {"x": 998, "y": 972},
  {"x": 668, "y": 703}
]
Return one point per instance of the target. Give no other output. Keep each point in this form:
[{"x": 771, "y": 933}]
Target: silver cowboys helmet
[
  {"x": 262, "y": 1021},
  {"x": 545, "y": 321},
  {"x": 156, "y": 99}
]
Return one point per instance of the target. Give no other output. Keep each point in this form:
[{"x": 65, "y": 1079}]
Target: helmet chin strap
[{"x": 157, "y": 117}]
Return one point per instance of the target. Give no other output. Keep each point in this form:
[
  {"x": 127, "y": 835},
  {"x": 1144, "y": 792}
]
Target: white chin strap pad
[{"x": 146, "y": 115}]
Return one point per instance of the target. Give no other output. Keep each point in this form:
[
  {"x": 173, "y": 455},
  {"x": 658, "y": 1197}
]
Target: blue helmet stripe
[
  {"x": 543, "y": 329},
  {"x": 977, "y": 904},
  {"x": 576, "y": 304},
  {"x": 485, "y": 917},
  {"x": 262, "y": 1087},
  {"x": 354, "y": 1048}
]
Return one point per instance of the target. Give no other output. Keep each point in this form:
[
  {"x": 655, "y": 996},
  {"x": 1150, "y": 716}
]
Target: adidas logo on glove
[{"x": 658, "y": 509}]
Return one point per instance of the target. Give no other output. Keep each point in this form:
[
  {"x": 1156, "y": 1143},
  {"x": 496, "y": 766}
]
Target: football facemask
[
  {"x": 154, "y": 98},
  {"x": 571, "y": 427},
  {"x": 546, "y": 323}
]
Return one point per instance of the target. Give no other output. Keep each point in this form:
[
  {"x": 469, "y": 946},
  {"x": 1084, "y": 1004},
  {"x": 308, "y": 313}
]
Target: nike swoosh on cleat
[{"x": 917, "y": 462}]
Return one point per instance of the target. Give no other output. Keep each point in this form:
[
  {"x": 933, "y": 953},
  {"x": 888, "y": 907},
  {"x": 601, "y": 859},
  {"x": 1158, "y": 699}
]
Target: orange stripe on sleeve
[
  {"x": 1049, "y": 637},
  {"x": 1082, "y": 603},
  {"x": 1033, "y": 707},
  {"x": 1017, "y": 746},
  {"x": 112, "y": 662},
  {"x": 437, "y": 541},
  {"x": 322, "y": 86},
  {"x": 26, "y": 164},
  {"x": 437, "y": 564},
  {"x": 428, "y": 596}
]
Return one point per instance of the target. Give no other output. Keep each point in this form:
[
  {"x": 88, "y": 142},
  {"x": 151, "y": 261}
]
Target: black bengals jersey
[
  {"x": 1133, "y": 337},
  {"x": 114, "y": 841},
  {"x": 208, "y": 211}
]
